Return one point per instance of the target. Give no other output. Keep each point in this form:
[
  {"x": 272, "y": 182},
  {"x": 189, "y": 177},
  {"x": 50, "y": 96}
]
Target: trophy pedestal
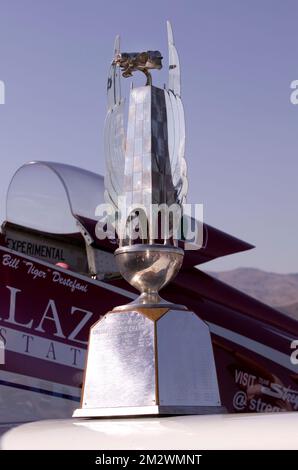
[
  {"x": 129, "y": 411},
  {"x": 149, "y": 361}
]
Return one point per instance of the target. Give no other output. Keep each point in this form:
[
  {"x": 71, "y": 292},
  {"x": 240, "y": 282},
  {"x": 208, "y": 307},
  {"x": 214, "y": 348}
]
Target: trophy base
[
  {"x": 160, "y": 410},
  {"x": 149, "y": 362}
]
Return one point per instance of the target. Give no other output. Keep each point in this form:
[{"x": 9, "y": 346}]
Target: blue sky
[{"x": 238, "y": 59}]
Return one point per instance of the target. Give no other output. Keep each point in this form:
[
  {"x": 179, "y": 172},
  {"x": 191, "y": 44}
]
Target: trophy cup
[{"x": 149, "y": 357}]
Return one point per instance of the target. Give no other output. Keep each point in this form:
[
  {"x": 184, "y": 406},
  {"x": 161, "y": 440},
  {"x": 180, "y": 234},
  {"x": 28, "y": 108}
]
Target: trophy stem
[{"x": 149, "y": 300}]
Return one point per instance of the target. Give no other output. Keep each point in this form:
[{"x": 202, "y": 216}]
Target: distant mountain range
[{"x": 277, "y": 290}]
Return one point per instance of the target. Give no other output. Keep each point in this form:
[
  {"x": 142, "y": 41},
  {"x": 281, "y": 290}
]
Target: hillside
[
  {"x": 278, "y": 290},
  {"x": 291, "y": 310}
]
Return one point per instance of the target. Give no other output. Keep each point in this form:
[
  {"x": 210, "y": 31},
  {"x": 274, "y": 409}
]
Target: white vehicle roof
[{"x": 225, "y": 431}]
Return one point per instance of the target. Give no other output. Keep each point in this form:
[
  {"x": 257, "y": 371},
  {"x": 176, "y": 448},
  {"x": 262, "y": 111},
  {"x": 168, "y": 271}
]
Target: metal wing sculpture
[
  {"x": 114, "y": 135},
  {"x": 176, "y": 123}
]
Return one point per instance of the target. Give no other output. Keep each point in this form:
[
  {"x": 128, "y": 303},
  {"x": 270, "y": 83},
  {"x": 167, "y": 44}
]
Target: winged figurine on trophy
[{"x": 147, "y": 164}]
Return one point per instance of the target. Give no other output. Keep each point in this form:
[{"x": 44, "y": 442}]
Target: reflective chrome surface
[
  {"x": 148, "y": 268},
  {"x": 186, "y": 366},
  {"x": 145, "y": 165},
  {"x": 121, "y": 363}
]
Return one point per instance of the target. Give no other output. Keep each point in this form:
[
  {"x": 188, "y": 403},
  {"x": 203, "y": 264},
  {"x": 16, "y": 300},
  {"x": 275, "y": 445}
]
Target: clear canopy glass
[{"x": 49, "y": 197}]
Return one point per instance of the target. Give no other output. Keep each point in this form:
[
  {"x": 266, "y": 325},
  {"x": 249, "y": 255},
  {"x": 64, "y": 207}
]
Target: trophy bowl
[{"x": 148, "y": 268}]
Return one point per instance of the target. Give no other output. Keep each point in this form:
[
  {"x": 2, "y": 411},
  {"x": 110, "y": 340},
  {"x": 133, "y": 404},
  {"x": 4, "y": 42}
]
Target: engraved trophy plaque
[{"x": 149, "y": 357}]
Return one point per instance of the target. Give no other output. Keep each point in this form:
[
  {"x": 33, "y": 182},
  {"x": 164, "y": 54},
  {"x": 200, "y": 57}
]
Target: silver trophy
[{"x": 149, "y": 356}]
